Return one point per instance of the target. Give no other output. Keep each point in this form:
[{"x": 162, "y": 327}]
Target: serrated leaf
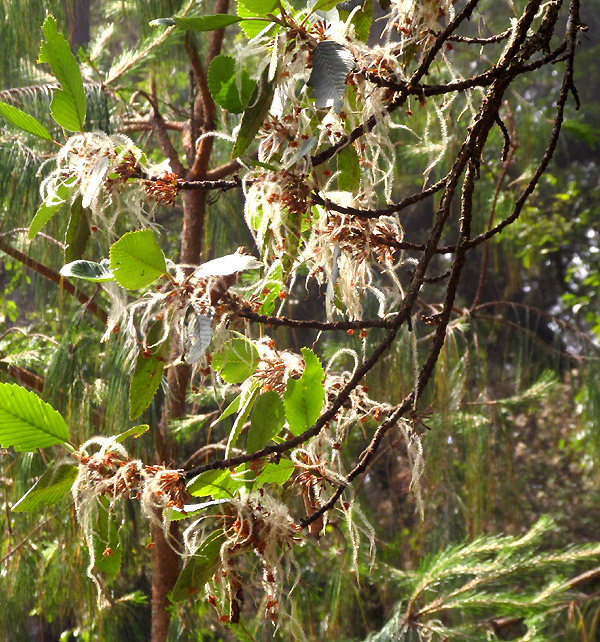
[
  {"x": 349, "y": 169},
  {"x": 134, "y": 432},
  {"x": 68, "y": 103},
  {"x": 88, "y": 270},
  {"x": 105, "y": 540},
  {"x": 268, "y": 417},
  {"x": 237, "y": 360},
  {"x": 78, "y": 231},
  {"x": 331, "y": 65},
  {"x": 223, "y": 84},
  {"x": 49, "y": 489},
  {"x": 303, "y": 398},
  {"x": 144, "y": 383},
  {"x": 247, "y": 400},
  {"x": 206, "y": 23},
  {"x": 253, "y": 9},
  {"x": 255, "y": 114},
  {"x": 226, "y": 265},
  {"x": 27, "y": 422},
  {"x": 136, "y": 259},
  {"x": 218, "y": 484},
  {"x": 199, "y": 568},
  {"x": 198, "y": 335},
  {"x": 51, "y": 206},
  {"x": 274, "y": 474},
  {"x": 24, "y": 121}
]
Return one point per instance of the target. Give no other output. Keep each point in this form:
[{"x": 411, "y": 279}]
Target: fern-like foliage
[{"x": 493, "y": 586}]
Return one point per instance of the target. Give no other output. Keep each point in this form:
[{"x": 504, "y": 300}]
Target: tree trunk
[
  {"x": 165, "y": 569},
  {"x": 165, "y": 562},
  {"x": 78, "y": 22}
]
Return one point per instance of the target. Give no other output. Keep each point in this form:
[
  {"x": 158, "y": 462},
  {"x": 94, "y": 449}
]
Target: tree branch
[{"x": 55, "y": 277}]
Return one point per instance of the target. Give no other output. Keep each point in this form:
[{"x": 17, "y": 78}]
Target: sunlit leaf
[
  {"x": 198, "y": 23},
  {"x": 218, "y": 484},
  {"x": 88, "y": 270},
  {"x": 51, "y": 206},
  {"x": 303, "y": 398},
  {"x": 199, "y": 568},
  {"x": 68, "y": 103},
  {"x": 331, "y": 65},
  {"x": 134, "y": 432},
  {"x": 229, "y": 264},
  {"x": 237, "y": 360},
  {"x": 144, "y": 383},
  {"x": 274, "y": 473},
  {"x": 268, "y": 417},
  {"x": 149, "y": 367},
  {"x": 231, "y": 409},
  {"x": 247, "y": 400},
  {"x": 49, "y": 489},
  {"x": 348, "y": 168},
  {"x": 255, "y": 114},
  {"x": 24, "y": 121},
  {"x": 136, "y": 259},
  {"x": 324, "y": 5},
  {"x": 223, "y": 84},
  {"x": 27, "y": 422},
  {"x": 256, "y": 8},
  {"x": 198, "y": 335}
]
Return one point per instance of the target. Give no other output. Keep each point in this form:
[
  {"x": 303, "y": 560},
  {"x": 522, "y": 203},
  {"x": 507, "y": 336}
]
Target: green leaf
[
  {"x": 331, "y": 65},
  {"x": 144, "y": 383},
  {"x": 78, "y": 231},
  {"x": 198, "y": 23},
  {"x": 362, "y": 21},
  {"x": 274, "y": 474},
  {"x": 51, "y": 206},
  {"x": 24, "y": 121},
  {"x": 105, "y": 540},
  {"x": 27, "y": 422},
  {"x": 324, "y": 5},
  {"x": 349, "y": 169},
  {"x": 267, "y": 420},
  {"x": 233, "y": 407},
  {"x": 304, "y": 397},
  {"x": 237, "y": 360},
  {"x": 136, "y": 259},
  {"x": 255, "y": 114},
  {"x": 254, "y": 9},
  {"x": 218, "y": 484},
  {"x": 49, "y": 489},
  {"x": 199, "y": 568},
  {"x": 259, "y": 7},
  {"x": 88, "y": 270},
  {"x": 223, "y": 84},
  {"x": 249, "y": 396},
  {"x": 134, "y": 432},
  {"x": 68, "y": 103}
]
